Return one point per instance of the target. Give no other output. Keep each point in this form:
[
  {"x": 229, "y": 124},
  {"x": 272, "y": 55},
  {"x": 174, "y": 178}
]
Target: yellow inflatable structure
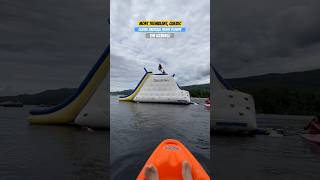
[
  {"x": 67, "y": 111},
  {"x": 131, "y": 96}
]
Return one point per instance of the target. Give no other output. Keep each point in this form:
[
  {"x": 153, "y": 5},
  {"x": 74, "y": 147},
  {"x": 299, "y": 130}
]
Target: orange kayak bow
[{"x": 168, "y": 158}]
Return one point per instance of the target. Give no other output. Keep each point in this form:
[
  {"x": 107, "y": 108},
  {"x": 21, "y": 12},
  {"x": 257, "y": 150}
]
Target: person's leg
[
  {"x": 186, "y": 171},
  {"x": 151, "y": 173}
]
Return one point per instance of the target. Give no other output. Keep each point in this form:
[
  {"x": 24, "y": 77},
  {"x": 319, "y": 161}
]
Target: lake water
[
  {"x": 50, "y": 152},
  {"x": 66, "y": 152},
  {"x": 137, "y": 128},
  {"x": 267, "y": 158}
]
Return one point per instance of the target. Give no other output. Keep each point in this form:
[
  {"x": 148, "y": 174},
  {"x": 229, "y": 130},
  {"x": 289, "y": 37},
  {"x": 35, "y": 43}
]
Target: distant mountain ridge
[
  {"x": 306, "y": 81},
  {"x": 200, "y": 90},
  {"x": 289, "y": 93},
  {"x": 54, "y": 97},
  {"x": 48, "y": 97},
  {"x": 296, "y": 93}
]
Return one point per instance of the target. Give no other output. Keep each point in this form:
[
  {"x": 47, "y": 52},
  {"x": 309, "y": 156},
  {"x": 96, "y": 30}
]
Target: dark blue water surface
[
  {"x": 137, "y": 128},
  {"x": 50, "y": 152},
  {"x": 267, "y": 158}
]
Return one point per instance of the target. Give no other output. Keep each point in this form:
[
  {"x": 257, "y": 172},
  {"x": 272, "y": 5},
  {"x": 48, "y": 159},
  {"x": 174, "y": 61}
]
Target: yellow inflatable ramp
[
  {"x": 131, "y": 96},
  {"x": 67, "y": 111}
]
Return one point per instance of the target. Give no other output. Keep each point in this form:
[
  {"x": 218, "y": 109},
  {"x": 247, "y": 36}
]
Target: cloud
[
  {"x": 187, "y": 55},
  {"x": 258, "y": 36},
  {"x": 49, "y": 44}
]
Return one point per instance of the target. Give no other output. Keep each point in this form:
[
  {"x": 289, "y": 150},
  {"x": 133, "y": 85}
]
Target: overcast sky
[
  {"x": 187, "y": 55},
  {"x": 49, "y": 44},
  {"x": 52, "y": 44},
  {"x": 264, "y": 36}
]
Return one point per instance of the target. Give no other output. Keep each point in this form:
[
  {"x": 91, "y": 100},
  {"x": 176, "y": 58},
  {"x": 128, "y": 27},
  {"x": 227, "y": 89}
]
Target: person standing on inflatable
[{"x": 161, "y": 69}]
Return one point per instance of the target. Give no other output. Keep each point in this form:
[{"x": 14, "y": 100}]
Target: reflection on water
[
  {"x": 137, "y": 128},
  {"x": 49, "y": 152},
  {"x": 264, "y": 157}
]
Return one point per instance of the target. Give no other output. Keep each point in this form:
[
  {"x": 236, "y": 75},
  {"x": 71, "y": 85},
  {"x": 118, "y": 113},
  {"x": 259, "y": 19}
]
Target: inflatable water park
[
  {"x": 158, "y": 88},
  {"x": 86, "y": 107},
  {"x": 233, "y": 110}
]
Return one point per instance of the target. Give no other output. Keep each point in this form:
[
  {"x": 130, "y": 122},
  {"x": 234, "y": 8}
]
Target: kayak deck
[{"x": 168, "y": 158}]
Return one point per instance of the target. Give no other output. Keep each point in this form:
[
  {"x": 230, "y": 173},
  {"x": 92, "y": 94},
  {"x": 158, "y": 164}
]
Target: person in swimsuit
[{"x": 160, "y": 68}]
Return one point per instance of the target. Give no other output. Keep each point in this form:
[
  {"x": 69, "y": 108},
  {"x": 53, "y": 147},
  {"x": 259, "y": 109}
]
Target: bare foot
[
  {"x": 186, "y": 171},
  {"x": 151, "y": 173}
]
